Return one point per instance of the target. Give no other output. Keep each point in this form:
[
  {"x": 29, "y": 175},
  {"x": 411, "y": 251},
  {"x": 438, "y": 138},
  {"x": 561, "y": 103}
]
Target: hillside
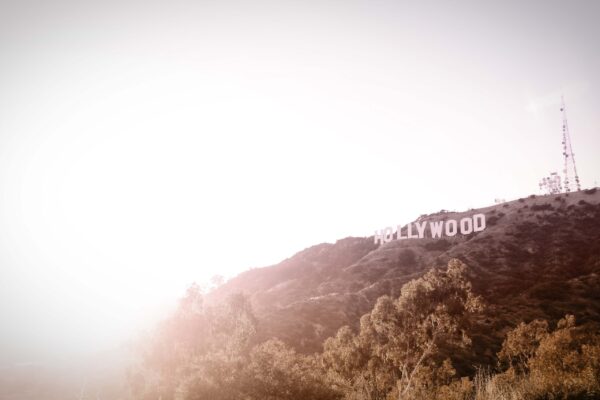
[{"x": 538, "y": 258}]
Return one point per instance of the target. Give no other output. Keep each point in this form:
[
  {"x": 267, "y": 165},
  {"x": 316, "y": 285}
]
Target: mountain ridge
[{"x": 539, "y": 257}]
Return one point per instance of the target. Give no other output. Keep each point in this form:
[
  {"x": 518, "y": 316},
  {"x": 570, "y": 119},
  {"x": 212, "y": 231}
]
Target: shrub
[
  {"x": 542, "y": 207},
  {"x": 552, "y": 290},
  {"x": 407, "y": 257},
  {"x": 563, "y": 364},
  {"x": 493, "y": 220},
  {"x": 440, "y": 245}
]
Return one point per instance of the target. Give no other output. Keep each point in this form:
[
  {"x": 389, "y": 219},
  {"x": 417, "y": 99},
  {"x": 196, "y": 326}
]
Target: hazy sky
[{"x": 145, "y": 145}]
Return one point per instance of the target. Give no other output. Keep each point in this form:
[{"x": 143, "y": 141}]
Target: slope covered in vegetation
[
  {"x": 538, "y": 258},
  {"x": 511, "y": 312},
  {"x": 405, "y": 348}
]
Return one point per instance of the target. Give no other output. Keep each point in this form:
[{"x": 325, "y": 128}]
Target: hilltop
[{"x": 539, "y": 257}]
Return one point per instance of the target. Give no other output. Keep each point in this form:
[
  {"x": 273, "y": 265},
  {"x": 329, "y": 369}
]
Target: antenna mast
[{"x": 568, "y": 154}]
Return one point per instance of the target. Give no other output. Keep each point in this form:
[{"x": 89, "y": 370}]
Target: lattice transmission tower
[{"x": 570, "y": 169}]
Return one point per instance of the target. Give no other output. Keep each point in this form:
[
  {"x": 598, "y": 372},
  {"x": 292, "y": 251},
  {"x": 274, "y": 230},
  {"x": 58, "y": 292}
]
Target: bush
[
  {"x": 493, "y": 220},
  {"x": 542, "y": 207},
  {"x": 439, "y": 245},
  {"x": 552, "y": 290},
  {"x": 407, "y": 257},
  {"x": 563, "y": 364}
]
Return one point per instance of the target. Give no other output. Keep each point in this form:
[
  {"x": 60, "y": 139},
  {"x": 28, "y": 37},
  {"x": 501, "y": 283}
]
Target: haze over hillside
[
  {"x": 148, "y": 145},
  {"x": 539, "y": 257}
]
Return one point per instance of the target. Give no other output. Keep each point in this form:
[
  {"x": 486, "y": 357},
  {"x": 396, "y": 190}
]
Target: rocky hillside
[{"x": 538, "y": 258}]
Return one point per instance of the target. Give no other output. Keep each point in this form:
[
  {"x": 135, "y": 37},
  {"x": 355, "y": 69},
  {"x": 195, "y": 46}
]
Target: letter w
[{"x": 436, "y": 228}]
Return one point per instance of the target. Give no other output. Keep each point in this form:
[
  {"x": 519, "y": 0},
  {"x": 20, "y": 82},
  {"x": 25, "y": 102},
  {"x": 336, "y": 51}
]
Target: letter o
[
  {"x": 478, "y": 222},
  {"x": 451, "y": 223},
  {"x": 466, "y": 226}
]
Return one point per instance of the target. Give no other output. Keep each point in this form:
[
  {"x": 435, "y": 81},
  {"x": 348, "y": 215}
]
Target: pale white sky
[{"x": 145, "y": 145}]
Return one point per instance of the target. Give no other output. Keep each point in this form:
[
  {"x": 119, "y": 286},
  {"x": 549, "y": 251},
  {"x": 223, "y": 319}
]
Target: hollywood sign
[{"x": 432, "y": 229}]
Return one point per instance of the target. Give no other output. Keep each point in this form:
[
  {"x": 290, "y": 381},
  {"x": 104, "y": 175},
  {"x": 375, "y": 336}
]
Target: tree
[
  {"x": 521, "y": 344},
  {"x": 276, "y": 372},
  {"x": 165, "y": 354},
  {"x": 399, "y": 339},
  {"x": 354, "y": 367},
  {"x": 564, "y": 363},
  {"x": 198, "y": 352},
  {"x": 217, "y": 372}
]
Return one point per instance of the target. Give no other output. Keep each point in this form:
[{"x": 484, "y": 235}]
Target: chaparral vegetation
[
  {"x": 508, "y": 313},
  {"x": 405, "y": 348}
]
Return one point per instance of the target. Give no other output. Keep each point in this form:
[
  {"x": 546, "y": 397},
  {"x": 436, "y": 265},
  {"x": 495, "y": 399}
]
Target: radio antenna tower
[{"x": 568, "y": 152}]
